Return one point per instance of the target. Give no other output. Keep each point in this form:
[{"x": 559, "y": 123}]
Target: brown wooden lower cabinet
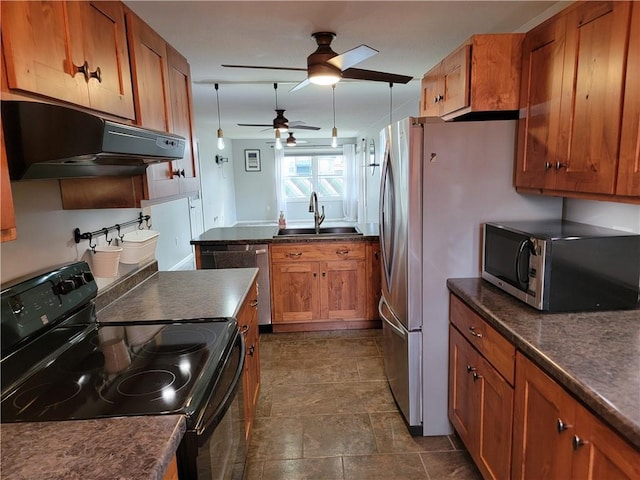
[
  {"x": 480, "y": 407},
  {"x": 555, "y": 437},
  {"x": 171, "y": 473},
  {"x": 248, "y": 324},
  {"x": 319, "y": 285}
]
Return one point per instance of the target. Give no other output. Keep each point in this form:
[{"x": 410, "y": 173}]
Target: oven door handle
[{"x": 203, "y": 429}]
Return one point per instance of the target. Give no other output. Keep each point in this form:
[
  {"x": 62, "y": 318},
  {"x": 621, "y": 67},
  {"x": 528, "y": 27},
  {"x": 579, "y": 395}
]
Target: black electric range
[{"x": 59, "y": 362}]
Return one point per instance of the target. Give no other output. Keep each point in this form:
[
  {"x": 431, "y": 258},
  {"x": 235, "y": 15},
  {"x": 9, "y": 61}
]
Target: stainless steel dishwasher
[{"x": 243, "y": 256}]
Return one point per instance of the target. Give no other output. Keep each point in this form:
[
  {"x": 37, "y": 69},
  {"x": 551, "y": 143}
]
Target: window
[{"x": 323, "y": 174}]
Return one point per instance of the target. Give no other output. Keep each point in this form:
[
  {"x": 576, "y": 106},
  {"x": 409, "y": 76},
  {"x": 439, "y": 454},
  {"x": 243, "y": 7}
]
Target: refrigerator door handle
[{"x": 392, "y": 321}]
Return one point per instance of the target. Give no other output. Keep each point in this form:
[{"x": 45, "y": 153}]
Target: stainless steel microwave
[{"x": 561, "y": 266}]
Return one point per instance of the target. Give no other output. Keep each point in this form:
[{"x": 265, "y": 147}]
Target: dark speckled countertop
[
  {"x": 124, "y": 448},
  {"x": 265, "y": 234},
  {"x": 594, "y": 355}
]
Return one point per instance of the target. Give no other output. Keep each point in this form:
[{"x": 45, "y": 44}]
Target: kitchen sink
[{"x": 311, "y": 232}]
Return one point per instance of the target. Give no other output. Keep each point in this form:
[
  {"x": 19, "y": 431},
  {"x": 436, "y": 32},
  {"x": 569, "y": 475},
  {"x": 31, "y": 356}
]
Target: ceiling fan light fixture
[
  {"x": 220, "y": 135},
  {"x": 323, "y": 74},
  {"x": 280, "y": 123},
  {"x": 291, "y": 141}
]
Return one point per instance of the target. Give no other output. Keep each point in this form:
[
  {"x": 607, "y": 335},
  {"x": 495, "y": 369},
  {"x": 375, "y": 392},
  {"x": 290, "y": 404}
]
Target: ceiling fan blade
[
  {"x": 255, "y": 125},
  {"x": 266, "y": 68},
  {"x": 302, "y": 84},
  {"x": 352, "y": 57},
  {"x": 360, "y": 74},
  {"x": 304, "y": 127}
]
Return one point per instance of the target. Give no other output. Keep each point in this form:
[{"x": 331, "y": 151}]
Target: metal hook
[
  {"x": 120, "y": 235},
  {"x": 106, "y": 235},
  {"x": 147, "y": 222},
  {"x": 92, "y": 247}
]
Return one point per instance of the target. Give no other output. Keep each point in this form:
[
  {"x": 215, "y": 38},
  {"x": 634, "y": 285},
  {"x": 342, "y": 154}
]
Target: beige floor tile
[
  {"x": 336, "y": 435},
  {"x": 364, "y": 397},
  {"x": 307, "y": 399},
  {"x": 307, "y": 469},
  {"x": 456, "y": 465},
  {"x": 384, "y": 467},
  {"x": 372, "y": 332},
  {"x": 253, "y": 470},
  {"x": 370, "y": 368},
  {"x": 276, "y": 438},
  {"x": 392, "y": 436}
]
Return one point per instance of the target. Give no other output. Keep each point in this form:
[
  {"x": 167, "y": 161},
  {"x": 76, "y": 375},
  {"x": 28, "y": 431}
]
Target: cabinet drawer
[
  {"x": 493, "y": 346},
  {"x": 318, "y": 251}
]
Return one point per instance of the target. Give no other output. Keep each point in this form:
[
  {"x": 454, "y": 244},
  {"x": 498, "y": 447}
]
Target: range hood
[{"x": 52, "y": 141}]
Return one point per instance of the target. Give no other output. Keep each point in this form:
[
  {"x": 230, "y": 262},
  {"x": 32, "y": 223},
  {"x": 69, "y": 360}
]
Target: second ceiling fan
[
  {"x": 326, "y": 67},
  {"x": 281, "y": 123}
]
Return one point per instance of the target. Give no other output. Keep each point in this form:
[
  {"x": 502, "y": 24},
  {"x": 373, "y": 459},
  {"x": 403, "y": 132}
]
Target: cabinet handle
[
  {"x": 476, "y": 376},
  {"x": 560, "y": 165},
  {"x": 252, "y": 349},
  {"x": 578, "y": 442},
  {"x": 561, "y": 426},
  {"x": 376, "y": 254},
  {"x": 315, "y": 274},
  {"x": 342, "y": 253},
  {"x": 97, "y": 74},
  {"x": 254, "y": 303},
  {"x": 438, "y": 98},
  {"x": 83, "y": 69},
  {"x": 547, "y": 165},
  {"x": 324, "y": 274},
  {"x": 244, "y": 329},
  {"x": 294, "y": 254},
  {"x": 472, "y": 331}
]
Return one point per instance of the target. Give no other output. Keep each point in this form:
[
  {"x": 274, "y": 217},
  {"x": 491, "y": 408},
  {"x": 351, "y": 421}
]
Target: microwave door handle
[{"x": 521, "y": 250}]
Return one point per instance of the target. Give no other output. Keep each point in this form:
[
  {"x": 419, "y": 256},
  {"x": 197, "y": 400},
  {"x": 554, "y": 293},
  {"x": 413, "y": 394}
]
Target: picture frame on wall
[{"x": 252, "y": 160}]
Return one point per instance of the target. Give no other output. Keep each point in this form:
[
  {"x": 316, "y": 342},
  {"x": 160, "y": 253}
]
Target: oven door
[{"x": 215, "y": 448}]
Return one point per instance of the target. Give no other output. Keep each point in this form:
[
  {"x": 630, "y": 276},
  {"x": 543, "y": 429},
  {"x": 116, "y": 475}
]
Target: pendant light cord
[
  {"x": 218, "y": 103},
  {"x": 275, "y": 88},
  {"x": 390, "y": 103},
  {"x": 333, "y": 87}
]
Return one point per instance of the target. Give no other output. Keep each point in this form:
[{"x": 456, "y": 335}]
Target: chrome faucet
[{"x": 313, "y": 208}]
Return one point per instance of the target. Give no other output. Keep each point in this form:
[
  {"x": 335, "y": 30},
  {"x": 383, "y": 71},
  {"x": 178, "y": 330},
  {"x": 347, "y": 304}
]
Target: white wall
[
  {"x": 620, "y": 216},
  {"x": 45, "y": 231},
  {"x": 216, "y": 180}
]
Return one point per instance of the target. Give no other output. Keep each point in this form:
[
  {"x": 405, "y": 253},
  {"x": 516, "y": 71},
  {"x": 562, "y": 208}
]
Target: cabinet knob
[
  {"x": 324, "y": 274},
  {"x": 254, "y": 303},
  {"x": 83, "y": 69},
  {"x": 252, "y": 349},
  {"x": 315, "y": 274},
  {"x": 547, "y": 165},
  {"x": 561, "y": 426},
  {"x": 476, "y": 376},
  {"x": 472, "y": 331},
  {"x": 578, "y": 442},
  {"x": 97, "y": 74},
  {"x": 560, "y": 165},
  {"x": 470, "y": 369},
  {"x": 178, "y": 173},
  {"x": 438, "y": 98}
]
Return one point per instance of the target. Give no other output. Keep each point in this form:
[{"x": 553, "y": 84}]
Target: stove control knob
[
  {"x": 64, "y": 287},
  {"x": 87, "y": 276}
]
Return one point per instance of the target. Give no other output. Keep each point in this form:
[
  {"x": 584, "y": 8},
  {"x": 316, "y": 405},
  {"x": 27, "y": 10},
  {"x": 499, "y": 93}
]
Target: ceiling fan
[
  {"x": 326, "y": 67},
  {"x": 280, "y": 122}
]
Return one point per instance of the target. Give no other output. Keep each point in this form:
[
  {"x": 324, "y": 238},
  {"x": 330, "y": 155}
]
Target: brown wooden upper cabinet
[
  {"x": 482, "y": 75},
  {"x": 70, "y": 51},
  {"x": 163, "y": 101},
  {"x": 7, "y": 214},
  {"x": 573, "y": 101}
]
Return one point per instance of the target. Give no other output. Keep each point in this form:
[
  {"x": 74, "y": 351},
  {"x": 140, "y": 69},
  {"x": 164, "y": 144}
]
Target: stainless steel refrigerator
[{"x": 440, "y": 182}]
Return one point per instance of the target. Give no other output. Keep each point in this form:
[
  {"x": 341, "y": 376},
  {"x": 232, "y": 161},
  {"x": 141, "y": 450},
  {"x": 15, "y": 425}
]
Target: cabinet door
[
  {"x": 591, "y": 107},
  {"x": 180, "y": 99},
  {"x": 295, "y": 292},
  {"x": 432, "y": 93},
  {"x": 7, "y": 214},
  {"x": 99, "y": 37},
  {"x": 463, "y": 397},
  {"x": 37, "y": 49},
  {"x": 540, "y": 95},
  {"x": 343, "y": 290},
  {"x": 248, "y": 324},
  {"x": 456, "y": 79},
  {"x": 543, "y": 425},
  {"x": 600, "y": 453},
  {"x": 629, "y": 168}
]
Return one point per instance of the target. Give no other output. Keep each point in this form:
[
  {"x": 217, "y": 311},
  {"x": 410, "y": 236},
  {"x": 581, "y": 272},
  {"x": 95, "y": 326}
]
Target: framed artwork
[{"x": 252, "y": 160}]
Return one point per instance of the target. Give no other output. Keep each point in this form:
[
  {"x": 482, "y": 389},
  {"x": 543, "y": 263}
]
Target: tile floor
[{"x": 326, "y": 413}]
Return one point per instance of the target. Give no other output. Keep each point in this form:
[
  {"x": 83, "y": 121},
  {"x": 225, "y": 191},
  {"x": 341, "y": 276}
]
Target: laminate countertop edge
[{"x": 585, "y": 352}]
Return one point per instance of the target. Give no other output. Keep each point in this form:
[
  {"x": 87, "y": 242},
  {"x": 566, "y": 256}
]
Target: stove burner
[
  {"x": 146, "y": 382},
  {"x": 44, "y": 396}
]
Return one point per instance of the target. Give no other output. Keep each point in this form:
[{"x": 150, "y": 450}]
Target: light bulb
[
  {"x": 334, "y": 137},
  {"x": 278, "y": 140},
  {"x": 220, "y": 140}
]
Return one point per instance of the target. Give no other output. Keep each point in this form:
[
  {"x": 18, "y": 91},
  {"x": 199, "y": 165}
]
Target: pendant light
[
  {"x": 278, "y": 140},
  {"x": 220, "y": 136},
  {"x": 334, "y": 130}
]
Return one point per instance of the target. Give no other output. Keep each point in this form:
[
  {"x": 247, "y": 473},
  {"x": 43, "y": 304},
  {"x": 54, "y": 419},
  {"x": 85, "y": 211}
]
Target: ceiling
[{"x": 411, "y": 37}]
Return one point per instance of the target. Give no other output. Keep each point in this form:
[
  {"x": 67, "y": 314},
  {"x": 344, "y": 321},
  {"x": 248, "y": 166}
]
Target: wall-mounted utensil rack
[{"x": 105, "y": 231}]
